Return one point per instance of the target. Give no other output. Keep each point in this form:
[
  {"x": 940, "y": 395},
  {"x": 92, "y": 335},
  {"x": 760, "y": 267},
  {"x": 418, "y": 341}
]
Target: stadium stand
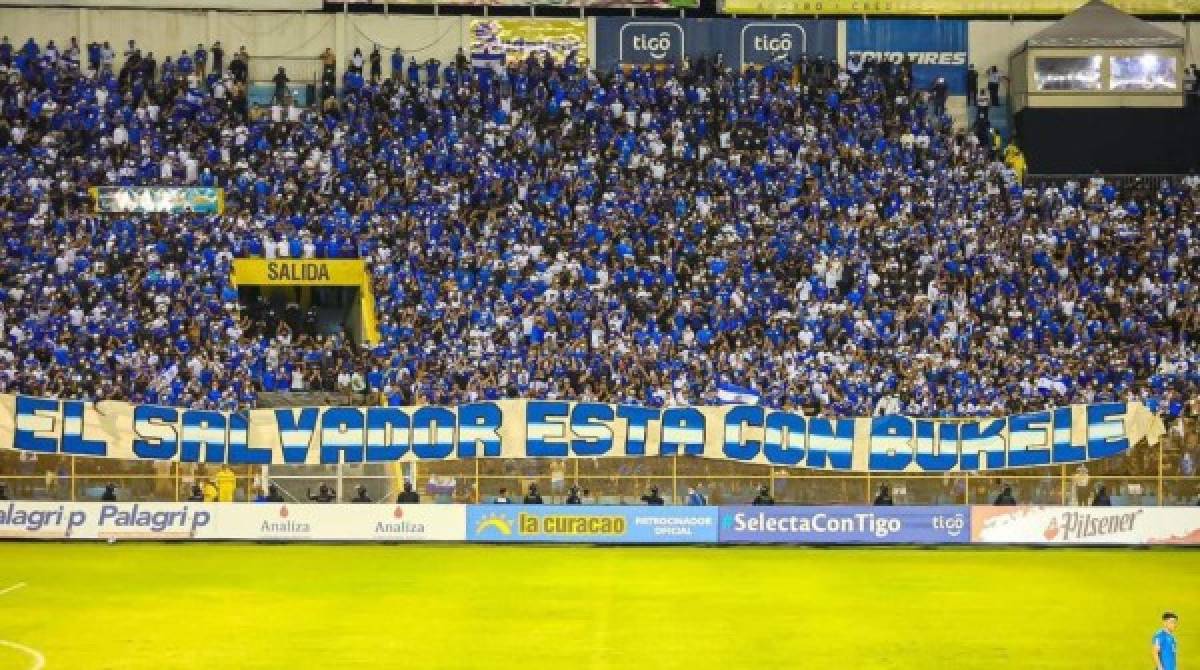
[{"x": 549, "y": 231}]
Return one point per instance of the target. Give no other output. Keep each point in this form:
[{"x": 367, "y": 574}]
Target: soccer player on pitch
[{"x": 1164, "y": 643}]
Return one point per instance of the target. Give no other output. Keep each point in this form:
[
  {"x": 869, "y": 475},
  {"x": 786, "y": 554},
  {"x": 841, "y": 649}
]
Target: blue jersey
[{"x": 1165, "y": 642}]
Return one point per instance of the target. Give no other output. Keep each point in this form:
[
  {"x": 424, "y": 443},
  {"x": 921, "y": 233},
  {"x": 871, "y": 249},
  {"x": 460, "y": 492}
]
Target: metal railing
[
  {"x": 301, "y": 70},
  {"x": 1146, "y": 475},
  {"x": 1119, "y": 181}
]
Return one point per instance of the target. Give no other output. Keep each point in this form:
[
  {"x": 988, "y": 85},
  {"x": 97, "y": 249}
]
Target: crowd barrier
[{"x": 602, "y": 524}]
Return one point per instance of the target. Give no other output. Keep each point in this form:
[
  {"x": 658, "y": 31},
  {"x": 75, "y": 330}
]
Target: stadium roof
[{"x": 1098, "y": 24}]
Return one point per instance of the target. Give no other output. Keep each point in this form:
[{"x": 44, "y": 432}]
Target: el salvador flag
[{"x": 732, "y": 394}]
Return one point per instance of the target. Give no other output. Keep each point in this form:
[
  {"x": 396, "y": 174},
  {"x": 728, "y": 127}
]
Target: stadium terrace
[{"x": 548, "y": 231}]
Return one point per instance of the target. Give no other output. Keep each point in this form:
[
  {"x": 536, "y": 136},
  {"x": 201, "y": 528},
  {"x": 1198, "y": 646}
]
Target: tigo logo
[
  {"x": 766, "y": 42},
  {"x": 954, "y": 525},
  {"x": 781, "y": 43},
  {"x": 650, "y": 42},
  {"x": 658, "y": 45},
  {"x": 499, "y": 522}
]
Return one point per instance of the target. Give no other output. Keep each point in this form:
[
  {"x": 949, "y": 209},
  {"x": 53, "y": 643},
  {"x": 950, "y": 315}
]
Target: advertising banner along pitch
[
  {"x": 1085, "y": 525},
  {"x": 741, "y": 42},
  {"x": 48, "y": 520},
  {"x": 591, "y": 524},
  {"x": 845, "y": 525},
  {"x": 937, "y": 47},
  {"x": 558, "y": 429}
]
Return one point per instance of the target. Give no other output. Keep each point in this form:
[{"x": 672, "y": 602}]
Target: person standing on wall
[
  {"x": 200, "y": 58},
  {"x": 218, "y": 58},
  {"x": 764, "y": 496},
  {"x": 408, "y": 496},
  {"x": 573, "y": 497},
  {"x": 1079, "y": 486},
  {"x": 274, "y": 495},
  {"x": 533, "y": 497},
  {"x": 238, "y": 68},
  {"x": 972, "y": 84},
  {"x": 226, "y": 483},
  {"x": 1006, "y": 497},
  {"x": 939, "y": 93},
  {"x": 983, "y": 103},
  {"x": 653, "y": 498},
  {"x": 397, "y": 65},
  {"x": 281, "y": 90},
  {"x": 994, "y": 77},
  {"x": 325, "y": 494},
  {"x": 210, "y": 491},
  {"x": 884, "y": 498},
  {"x": 376, "y": 65},
  {"x": 328, "y": 65}
]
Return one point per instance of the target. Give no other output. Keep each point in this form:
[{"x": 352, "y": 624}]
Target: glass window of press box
[
  {"x": 1136, "y": 71},
  {"x": 1143, "y": 72},
  {"x": 1068, "y": 73}
]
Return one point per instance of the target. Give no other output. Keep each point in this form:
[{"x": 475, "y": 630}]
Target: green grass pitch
[{"x": 141, "y": 606}]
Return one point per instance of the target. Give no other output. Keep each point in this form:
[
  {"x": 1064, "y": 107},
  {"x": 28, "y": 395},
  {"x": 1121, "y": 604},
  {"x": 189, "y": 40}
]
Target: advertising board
[
  {"x": 48, "y": 520},
  {"x": 741, "y": 42},
  {"x": 845, "y": 525},
  {"x": 1085, "y": 525},
  {"x": 591, "y": 524},
  {"x": 937, "y": 47}
]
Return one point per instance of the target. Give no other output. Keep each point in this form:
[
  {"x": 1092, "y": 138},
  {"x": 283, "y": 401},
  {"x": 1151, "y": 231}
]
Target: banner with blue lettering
[
  {"x": 740, "y": 41},
  {"x": 846, "y": 525},
  {"x": 592, "y": 524},
  {"x": 938, "y": 47},
  {"x": 560, "y": 429}
]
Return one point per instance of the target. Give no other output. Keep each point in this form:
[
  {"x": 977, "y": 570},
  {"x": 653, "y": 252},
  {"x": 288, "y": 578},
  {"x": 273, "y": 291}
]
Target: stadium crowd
[{"x": 812, "y": 232}]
